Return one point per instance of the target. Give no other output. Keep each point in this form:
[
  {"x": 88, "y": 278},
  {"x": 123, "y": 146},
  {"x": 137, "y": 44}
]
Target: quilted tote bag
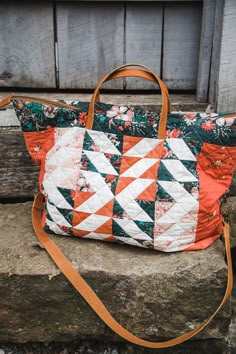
[{"x": 127, "y": 175}]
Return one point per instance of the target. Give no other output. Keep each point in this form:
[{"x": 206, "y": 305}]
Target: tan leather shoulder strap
[{"x": 92, "y": 299}]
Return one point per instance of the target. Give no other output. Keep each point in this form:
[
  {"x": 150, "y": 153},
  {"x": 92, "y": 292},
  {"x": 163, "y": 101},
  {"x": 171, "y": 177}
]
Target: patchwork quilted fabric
[{"x": 118, "y": 182}]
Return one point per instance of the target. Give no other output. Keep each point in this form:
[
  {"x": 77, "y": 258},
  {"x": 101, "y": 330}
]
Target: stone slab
[
  {"x": 232, "y": 219},
  {"x": 154, "y": 295},
  {"x": 101, "y": 347}
]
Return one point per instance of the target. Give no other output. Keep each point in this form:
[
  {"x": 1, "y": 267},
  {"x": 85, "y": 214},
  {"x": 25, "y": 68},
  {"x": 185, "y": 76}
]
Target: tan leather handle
[
  {"x": 6, "y": 100},
  {"x": 164, "y": 111},
  {"x": 135, "y": 73},
  {"x": 92, "y": 299}
]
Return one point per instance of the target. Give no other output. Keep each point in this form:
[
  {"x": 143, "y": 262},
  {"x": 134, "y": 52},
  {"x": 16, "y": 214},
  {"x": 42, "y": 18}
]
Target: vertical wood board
[
  {"x": 143, "y": 39},
  {"x": 226, "y": 95},
  {"x": 90, "y": 43},
  {"x": 182, "y": 27},
  {"x": 216, "y": 50},
  {"x": 27, "y": 44},
  {"x": 206, "y": 43}
]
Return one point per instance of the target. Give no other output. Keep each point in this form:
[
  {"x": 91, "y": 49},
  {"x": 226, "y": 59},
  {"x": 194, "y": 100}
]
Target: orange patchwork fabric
[{"x": 118, "y": 182}]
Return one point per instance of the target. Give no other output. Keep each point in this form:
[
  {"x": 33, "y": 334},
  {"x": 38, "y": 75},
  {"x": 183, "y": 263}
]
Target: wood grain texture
[
  {"x": 26, "y": 44},
  {"x": 182, "y": 26},
  {"x": 8, "y": 118},
  {"x": 206, "y": 43},
  {"x": 143, "y": 39},
  {"x": 90, "y": 43},
  {"x": 18, "y": 172},
  {"x": 226, "y": 93},
  {"x": 216, "y": 50}
]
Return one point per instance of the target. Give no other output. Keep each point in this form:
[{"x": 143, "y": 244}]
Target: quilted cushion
[{"x": 119, "y": 183}]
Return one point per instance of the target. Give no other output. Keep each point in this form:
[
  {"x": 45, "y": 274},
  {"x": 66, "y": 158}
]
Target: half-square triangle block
[{"x": 139, "y": 147}]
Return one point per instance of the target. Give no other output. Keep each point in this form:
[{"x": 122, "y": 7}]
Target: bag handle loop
[
  {"x": 164, "y": 91},
  {"x": 135, "y": 73},
  {"x": 93, "y": 300}
]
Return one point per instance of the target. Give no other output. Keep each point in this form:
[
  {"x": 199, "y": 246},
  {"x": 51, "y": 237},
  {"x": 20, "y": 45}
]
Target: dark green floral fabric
[{"x": 133, "y": 121}]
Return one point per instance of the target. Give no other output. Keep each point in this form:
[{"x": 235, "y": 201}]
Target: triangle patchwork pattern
[
  {"x": 133, "y": 190},
  {"x": 149, "y": 194},
  {"x": 176, "y": 210},
  {"x": 106, "y": 209}
]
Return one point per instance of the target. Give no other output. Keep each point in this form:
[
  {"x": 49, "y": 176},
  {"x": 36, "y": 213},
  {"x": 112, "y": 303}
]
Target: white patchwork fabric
[
  {"x": 132, "y": 196},
  {"x": 127, "y": 197}
]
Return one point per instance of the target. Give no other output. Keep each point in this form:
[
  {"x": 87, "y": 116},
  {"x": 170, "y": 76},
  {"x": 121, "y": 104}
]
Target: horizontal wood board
[{"x": 18, "y": 172}]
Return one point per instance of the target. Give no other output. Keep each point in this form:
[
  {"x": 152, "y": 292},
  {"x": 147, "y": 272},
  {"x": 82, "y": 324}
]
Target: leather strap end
[{"x": 6, "y": 100}]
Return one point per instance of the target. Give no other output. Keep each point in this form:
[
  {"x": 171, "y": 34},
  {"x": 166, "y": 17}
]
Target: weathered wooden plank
[
  {"x": 90, "y": 43},
  {"x": 143, "y": 39},
  {"x": 215, "y": 62},
  {"x": 206, "y": 43},
  {"x": 182, "y": 26},
  {"x": 18, "y": 173},
  {"x": 225, "y": 80},
  {"x": 26, "y": 44},
  {"x": 8, "y": 118}
]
